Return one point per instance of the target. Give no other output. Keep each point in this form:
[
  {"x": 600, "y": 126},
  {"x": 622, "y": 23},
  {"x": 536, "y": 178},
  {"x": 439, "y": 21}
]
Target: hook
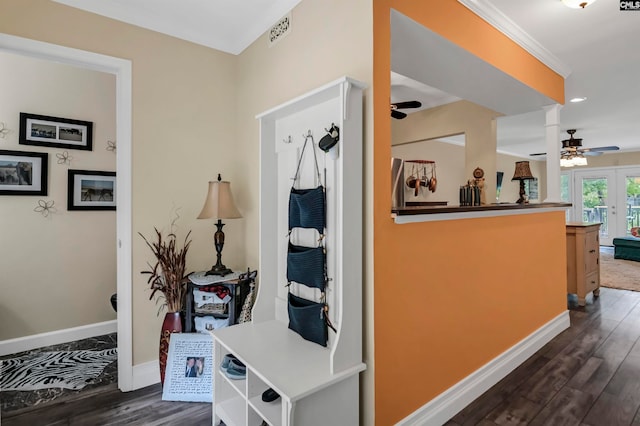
[
  {"x": 287, "y": 139},
  {"x": 308, "y": 135}
]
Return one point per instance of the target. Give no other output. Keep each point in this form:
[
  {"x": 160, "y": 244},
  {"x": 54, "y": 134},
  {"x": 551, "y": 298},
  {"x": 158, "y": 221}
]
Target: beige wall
[
  {"x": 510, "y": 191},
  {"x": 62, "y": 267},
  {"x": 194, "y": 116},
  {"x": 476, "y": 122},
  {"x": 329, "y": 39},
  {"x": 449, "y": 169},
  {"x": 451, "y": 174},
  {"x": 184, "y": 109},
  {"x": 611, "y": 159}
]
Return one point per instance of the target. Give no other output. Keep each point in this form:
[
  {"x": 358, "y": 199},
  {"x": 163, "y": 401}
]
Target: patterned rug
[
  {"x": 59, "y": 369},
  {"x": 618, "y": 273}
]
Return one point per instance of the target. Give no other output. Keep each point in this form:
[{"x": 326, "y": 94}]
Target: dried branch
[{"x": 168, "y": 275}]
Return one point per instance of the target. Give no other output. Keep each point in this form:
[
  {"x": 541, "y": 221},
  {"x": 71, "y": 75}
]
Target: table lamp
[
  {"x": 219, "y": 205},
  {"x": 522, "y": 173}
]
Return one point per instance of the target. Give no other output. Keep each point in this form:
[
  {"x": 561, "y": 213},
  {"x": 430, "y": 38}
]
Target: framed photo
[
  {"x": 91, "y": 190},
  {"x": 23, "y": 173},
  {"x": 55, "y": 132}
]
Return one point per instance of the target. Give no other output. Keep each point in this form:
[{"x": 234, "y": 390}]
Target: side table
[{"x": 238, "y": 289}]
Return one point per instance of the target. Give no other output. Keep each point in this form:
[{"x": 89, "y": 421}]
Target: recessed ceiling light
[
  {"x": 576, "y": 100},
  {"x": 578, "y": 4}
]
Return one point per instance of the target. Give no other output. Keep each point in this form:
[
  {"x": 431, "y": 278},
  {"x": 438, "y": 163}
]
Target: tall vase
[{"x": 172, "y": 324}]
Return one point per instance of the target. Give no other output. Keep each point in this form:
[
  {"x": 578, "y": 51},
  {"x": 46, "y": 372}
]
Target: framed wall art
[
  {"x": 23, "y": 173},
  {"x": 91, "y": 190},
  {"x": 55, "y": 132}
]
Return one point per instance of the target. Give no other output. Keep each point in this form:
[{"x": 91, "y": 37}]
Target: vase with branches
[
  {"x": 168, "y": 275},
  {"x": 168, "y": 283}
]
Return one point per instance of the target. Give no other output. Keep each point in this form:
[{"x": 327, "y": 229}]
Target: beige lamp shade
[{"x": 219, "y": 203}]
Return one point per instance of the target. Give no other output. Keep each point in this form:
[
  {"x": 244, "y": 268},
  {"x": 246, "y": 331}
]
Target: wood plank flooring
[
  {"x": 112, "y": 407},
  {"x": 588, "y": 375}
]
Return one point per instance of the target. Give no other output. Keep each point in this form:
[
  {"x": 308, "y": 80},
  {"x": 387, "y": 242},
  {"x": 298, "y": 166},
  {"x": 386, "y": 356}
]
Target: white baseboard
[
  {"x": 146, "y": 374},
  {"x": 446, "y": 405},
  {"x": 27, "y": 343}
]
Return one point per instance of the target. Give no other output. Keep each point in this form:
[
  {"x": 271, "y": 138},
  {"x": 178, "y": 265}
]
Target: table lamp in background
[
  {"x": 522, "y": 173},
  {"x": 219, "y": 205}
]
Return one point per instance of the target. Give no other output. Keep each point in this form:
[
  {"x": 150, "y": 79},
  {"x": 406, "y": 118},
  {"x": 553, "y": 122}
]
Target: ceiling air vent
[{"x": 280, "y": 30}]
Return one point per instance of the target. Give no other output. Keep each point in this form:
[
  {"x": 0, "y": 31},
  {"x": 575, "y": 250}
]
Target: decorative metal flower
[
  {"x": 45, "y": 207},
  {"x": 3, "y": 130},
  {"x": 64, "y": 158},
  {"x": 111, "y": 146}
]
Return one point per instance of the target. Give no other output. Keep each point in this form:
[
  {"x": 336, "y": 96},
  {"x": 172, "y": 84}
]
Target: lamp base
[
  {"x": 523, "y": 194},
  {"x": 219, "y": 270}
]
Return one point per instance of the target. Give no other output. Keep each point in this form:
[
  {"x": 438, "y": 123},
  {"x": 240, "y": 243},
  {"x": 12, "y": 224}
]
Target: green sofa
[{"x": 627, "y": 248}]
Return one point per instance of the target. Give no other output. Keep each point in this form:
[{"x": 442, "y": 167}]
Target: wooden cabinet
[{"x": 583, "y": 259}]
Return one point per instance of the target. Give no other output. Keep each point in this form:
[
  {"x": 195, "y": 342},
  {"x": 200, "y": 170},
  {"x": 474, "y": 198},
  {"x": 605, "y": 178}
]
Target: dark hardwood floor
[
  {"x": 112, "y": 407},
  {"x": 588, "y": 375}
]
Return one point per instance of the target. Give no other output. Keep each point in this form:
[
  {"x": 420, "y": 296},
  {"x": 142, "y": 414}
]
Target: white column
[{"x": 552, "y": 136}]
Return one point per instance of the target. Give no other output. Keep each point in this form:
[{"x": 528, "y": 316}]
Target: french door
[{"x": 610, "y": 196}]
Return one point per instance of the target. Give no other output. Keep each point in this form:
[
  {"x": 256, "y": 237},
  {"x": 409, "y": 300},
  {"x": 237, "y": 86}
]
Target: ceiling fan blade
[
  {"x": 591, "y": 153},
  {"x": 398, "y": 114},
  {"x": 604, "y": 148},
  {"x": 408, "y": 104},
  {"x": 537, "y": 153}
]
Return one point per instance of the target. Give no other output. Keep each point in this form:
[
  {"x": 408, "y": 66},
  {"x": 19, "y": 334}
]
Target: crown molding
[{"x": 487, "y": 11}]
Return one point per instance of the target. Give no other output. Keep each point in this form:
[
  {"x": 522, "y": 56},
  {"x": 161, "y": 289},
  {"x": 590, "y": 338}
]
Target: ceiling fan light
[
  {"x": 578, "y": 4},
  {"x": 565, "y": 162},
  {"x": 580, "y": 160}
]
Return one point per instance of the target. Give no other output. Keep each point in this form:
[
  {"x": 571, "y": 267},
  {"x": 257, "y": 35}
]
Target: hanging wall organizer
[{"x": 306, "y": 375}]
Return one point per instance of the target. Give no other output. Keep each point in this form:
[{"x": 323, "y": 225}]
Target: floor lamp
[{"x": 219, "y": 205}]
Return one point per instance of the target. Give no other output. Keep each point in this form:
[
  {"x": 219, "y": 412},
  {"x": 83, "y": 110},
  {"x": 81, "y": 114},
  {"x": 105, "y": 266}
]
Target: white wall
[{"x": 58, "y": 271}]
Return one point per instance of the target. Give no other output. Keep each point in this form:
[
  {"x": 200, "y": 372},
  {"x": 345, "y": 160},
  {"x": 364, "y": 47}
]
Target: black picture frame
[
  {"x": 23, "y": 172},
  {"x": 55, "y": 132},
  {"x": 91, "y": 190}
]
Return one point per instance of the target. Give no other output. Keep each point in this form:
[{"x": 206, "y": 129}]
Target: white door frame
[
  {"x": 121, "y": 68},
  {"x": 611, "y": 202},
  {"x": 619, "y": 191}
]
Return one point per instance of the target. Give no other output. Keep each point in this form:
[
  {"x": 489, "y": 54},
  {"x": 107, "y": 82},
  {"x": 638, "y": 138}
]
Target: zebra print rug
[{"x": 60, "y": 369}]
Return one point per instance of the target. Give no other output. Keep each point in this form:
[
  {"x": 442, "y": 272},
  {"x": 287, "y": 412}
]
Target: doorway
[
  {"x": 610, "y": 196},
  {"x": 121, "y": 68}
]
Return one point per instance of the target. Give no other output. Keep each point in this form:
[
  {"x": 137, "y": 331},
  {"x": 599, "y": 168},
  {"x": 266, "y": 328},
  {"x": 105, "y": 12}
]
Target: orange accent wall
[
  {"x": 452, "y": 295},
  {"x": 461, "y": 26}
]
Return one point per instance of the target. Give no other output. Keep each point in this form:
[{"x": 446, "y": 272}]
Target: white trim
[
  {"x": 487, "y": 11},
  {"x": 446, "y": 405},
  {"x": 435, "y": 217},
  {"x": 122, "y": 70},
  {"x": 27, "y": 343},
  {"x": 146, "y": 374}
]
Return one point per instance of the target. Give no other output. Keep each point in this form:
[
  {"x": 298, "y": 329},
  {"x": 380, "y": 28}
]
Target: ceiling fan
[
  {"x": 573, "y": 147},
  {"x": 403, "y": 105}
]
